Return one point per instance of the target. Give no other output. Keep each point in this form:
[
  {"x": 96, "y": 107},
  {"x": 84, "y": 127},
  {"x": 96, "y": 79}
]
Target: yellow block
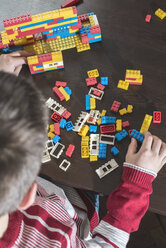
[
  {"x": 123, "y": 111},
  {"x": 132, "y": 73},
  {"x": 160, "y": 13},
  {"x": 85, "y": 140},
  {"x": 93, "y": 73},
  {"x": 99, "y": 122},
  {"x": 32, "y": 60},
  {"x": 123, "y": 85},
  {"x": 84, "y": 130},
  {"x": 103, "y": 113},
  {"x": 52, "y": 128},
  {"x": 129, "y": 109},
  {"x": 92, "y": 103},
  {"x": 118, "y": 125},
  {"x": 93, "y": 158},
  {"x": 64, "y": 93},
  {"x": 51, "y": 135},
  {"x": 146, "y": 123}
]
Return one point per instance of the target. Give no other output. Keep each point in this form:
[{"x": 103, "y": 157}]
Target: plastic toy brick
[
  {"x": 114, "y": 151},
  {"x": 121, "y": 135},
  {"x": 68, "y": 90},
  {"x": 94, "y": 115},
  {"x": 83, "y": 18},
  {"x": 123, "y": 85},
  {"x": 125, "y": 124},
  {"x": 148, "y": 18},
  {"x": 51, "y": 135},
  {"x": 123, "y": 111},
  {"x": 91, "y": 81},
  {"x": 51, "y": 128},
  {"x": 93, "y": 73},
  {"x": 156, "y": 117},
  {"x": 130, "y": 131},
  {"x": 64, "y": 93},
  {"x": 103, "y": 113},
  {"x": 46, "y": 156},
  {"x": 118, "y": 125},
  {"x": 56, "y": 128},
  {"x": 84, "y": 38},
  {"x": 84, "y": 130},
  {"x": 100, "y": 87},
  {"x": 137, "y": 135},
  {"x": 62, "y": 123},
  {"x": 104, "y": 81},
  {"x": 107, "y": 129},
  {"x": 92, "y": 129},
  {"x": 108, "y": 120},
  {"x": 58, "y": 93},
  {"x": 64, "y": 165},
  {"x": 102, "y": 150},
  {"x": 98, "y": 94},
  {"x": 87, "y": 99},
  {"x": 92, "y": 103},
  {"x": 17, "y": 20},
  {"x": 70, "y": 150},
  {"x": 160, "y": 13},
  {"x": 115, "y": 106},
  {"x": 59, "y": 84},
  {"x": 132, "y": 74},
  {"x": 49, "y": 144},
  {"x": 107, "y": 139},
  {"x": 95, "y": 30},
  {"x": 94, "y": 144},
  {"x": 106, "y": 168},
  {"x": 81, "y": 121},
  {"x": 85, "y": 147},
  {"x": 93, "y": 158},
  {"x": 129, "y": 109},
  {"x": 70, "y": 3},
  {"x": 66, "y": 114},
  {"x": 56, "y": 139},
  {"x": 57, "y": 150},
  {"x": 55, "y": 117},
  {"x": 146, "y": 123},
  {"x": 69, "y": 126},
  {"x": 98, "y": 122}
]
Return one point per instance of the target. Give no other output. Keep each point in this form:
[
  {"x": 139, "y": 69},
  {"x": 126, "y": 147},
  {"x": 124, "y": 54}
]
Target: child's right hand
[{"x": 152, "y": 154}]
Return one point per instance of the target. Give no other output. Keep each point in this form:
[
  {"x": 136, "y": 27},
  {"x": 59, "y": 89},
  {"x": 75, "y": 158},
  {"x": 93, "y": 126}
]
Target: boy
[{"x": 41, "y": 214}]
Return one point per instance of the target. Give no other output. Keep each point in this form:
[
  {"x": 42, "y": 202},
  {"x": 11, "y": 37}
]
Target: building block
[
  {"x": 88, "y": 105},
  {"x": 102, "y": 150},
  {"x": 107, "y": 139},
  {"x": 69, "y": 126},
  {"x": 91, "y": 81},
  {"x": 130, "y": 131},
  {"x": 62, "y": 123},
  {"x": 92, "y": 103},
  {"x": 93, "y": 158},
  {"x": 84, "y": 130},
  {"x": 85, "y": 147},
  {"x": 81, "y": 121},
  {"x": 118, "y": 125},
  {"x": 68, "y": 90},
  {"x": 146, "y": 123},
  {"x": 114, "y": 151},
  {"x": 58, "y": 93},
  {"x": 132, "y": 74},
  {"x": 94, "y": 115},
  {"x": 49, "y": 144},
  {"x": 64, "y": 93},
  {"x": 55, "y": 117},
  {"x": 156, "y": 117},
  {"x": 100, "y": 87},
  {"x": 98, "y": 122},
  {"x": 92, "y": 129},
  {"x": 148, "y": 18},
  {"x": 59, "y": 84},
  {"x": 56, "y": 128},
  {"x": 115, "y": 106},
  {"x": 104, "y": 81},
  {"x": 94, "y": 144},
  {"x": 46, "y": 156},
  {"x": 107, "y": 129},
  {"x": 123, "y": 111},
  {"x": 93, "y": 73},
  {"x": 64, "y": 165},
  {"x": 108, "y": 120},
  {"x": 129, "y": 109},
  {"x": 51, "y": 135},
  {"x": 56, "y": 139},
  {"x": 123, "y": 85},
  {"x": 57, "y": 150},
  {"x": 70, "y": 3},
  {"x": 96, "y": 93},
  {"x": 66, "y": 114},
  {"x": 125, "y": 124},
  {"x": 70, "y": 150},
  {"x": 160, "y": 13},
  {"x": 137, "y": 135},
  {"x": 51, "y": 128},
  {"x": 103, "y": 113},
  {"x": 107, "y": 168},
  {"x": 121, "y": 135}
]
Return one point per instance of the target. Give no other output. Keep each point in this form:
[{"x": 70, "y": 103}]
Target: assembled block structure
[{"x": 48, "y": 34}]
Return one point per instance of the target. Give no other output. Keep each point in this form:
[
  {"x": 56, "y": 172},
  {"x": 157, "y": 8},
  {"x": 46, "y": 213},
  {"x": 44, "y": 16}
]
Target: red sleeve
[{"x": 128, "y": 203}]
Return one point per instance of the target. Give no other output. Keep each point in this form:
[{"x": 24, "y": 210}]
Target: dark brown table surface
[{"x": 128, "y": 42}]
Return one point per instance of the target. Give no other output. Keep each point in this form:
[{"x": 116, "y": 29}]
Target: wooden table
[{"x": 128, "y": 43}]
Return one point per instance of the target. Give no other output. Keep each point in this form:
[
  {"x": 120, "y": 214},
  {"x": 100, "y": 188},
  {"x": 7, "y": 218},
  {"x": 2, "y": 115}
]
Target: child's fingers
[
  {"x": 16, "y": 61},
  {"x": 22, "y": 53},
  {"x": 132, "y": 148},
  {"x": 147, "y": 143},
  {"x": 163, "y": 151},
  {"x": 17, "y": 70},
  {"x": 156, "y": 145}
]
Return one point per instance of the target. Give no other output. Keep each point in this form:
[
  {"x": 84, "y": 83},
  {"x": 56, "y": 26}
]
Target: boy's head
[{"x": 22, "y": 137}]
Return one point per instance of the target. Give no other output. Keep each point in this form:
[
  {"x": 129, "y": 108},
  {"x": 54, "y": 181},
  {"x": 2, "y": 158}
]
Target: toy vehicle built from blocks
[{"x": 48, "y": 34}]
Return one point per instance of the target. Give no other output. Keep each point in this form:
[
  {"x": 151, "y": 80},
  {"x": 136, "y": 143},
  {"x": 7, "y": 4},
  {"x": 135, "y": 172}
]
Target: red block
[
  {"x": 58, "y": 93},
  {"x": 95, "y": 30},
  {"x": 59, "y": 84},
  {"x": 83, "y": 18},
  {"x": 84, "y": 38},
  {"x": 100, "y": 87},
  {"x": 10, "y": 31},
  {"x": 115, "y": 106},
  {"x": 107, "y": 128},
  {"x": 55, "y": 117},
  {"x": 30, "y": 32},
  {"x": 91, "y": 81},
  {"x": 125, "y": 124},
  {"x": 55, "y": 21},
  {"x": 66, "y": 114},
  {"x": 70, "y": 150},
  {"x": 156, "y": 117},
  {"x": 17, "y": 20},
  {"x": 96, "y": 93},
  {"x": 44, "y": 57},
  {"x": 77, "y": 26},
  {"x": 69, "y": 3},
  {"x": 130, "y": 131},
  {"x": 56, "y": 128},
  {"x": 148, "y": 18}
]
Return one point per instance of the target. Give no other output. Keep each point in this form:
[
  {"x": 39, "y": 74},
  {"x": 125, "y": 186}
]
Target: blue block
[
  {"x": 137, "y": 135},
  {"x": 62, "y": 123},
  {"x": 89, "y": 14},
  {"x": 69, "y": 126},
  {"x": 104, "y": 80},
  {"x": 11, "y": 49},
  {"x": 39, "y": 66},
  {"x": 36, "y": 24},
  {"x": 95, "y": 40},
  {"x": 92, "y": 129},
  {"x": 68, "y": 19},
  {"x": 121, "y": 135},
  {"x": 114, "y": 151},
  {"x": 87, "y": 102},
  {"x": 102, "y": 150},
  {"x": 68, "y": 90},
  {"x": 56, "y": 139},
  {"x": 108, "y": 120}
]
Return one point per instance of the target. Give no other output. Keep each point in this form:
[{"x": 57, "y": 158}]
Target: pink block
[
  {"x": 91, "y": 81},
  {"x": 59, "y": 84},
  {"x": 148, "y": 18},
  {"x": 97, "y": 93},
  {"x": 70, "y": 150},
  {"x": 58, "y": 93},
  {"x": 100, "y": 87},
  {"x": 156, "y": 117},
  {"x": 66, "y": 114},
  {"x": 56, "y": 128},
  {"x": 95, "y": 30},
  {"x": 125, "y": 124}
]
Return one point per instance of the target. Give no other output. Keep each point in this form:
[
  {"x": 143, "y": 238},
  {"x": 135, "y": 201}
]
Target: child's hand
[
  {"x": 152, "y": 154},
  {"x": 13, "y": 62}
]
